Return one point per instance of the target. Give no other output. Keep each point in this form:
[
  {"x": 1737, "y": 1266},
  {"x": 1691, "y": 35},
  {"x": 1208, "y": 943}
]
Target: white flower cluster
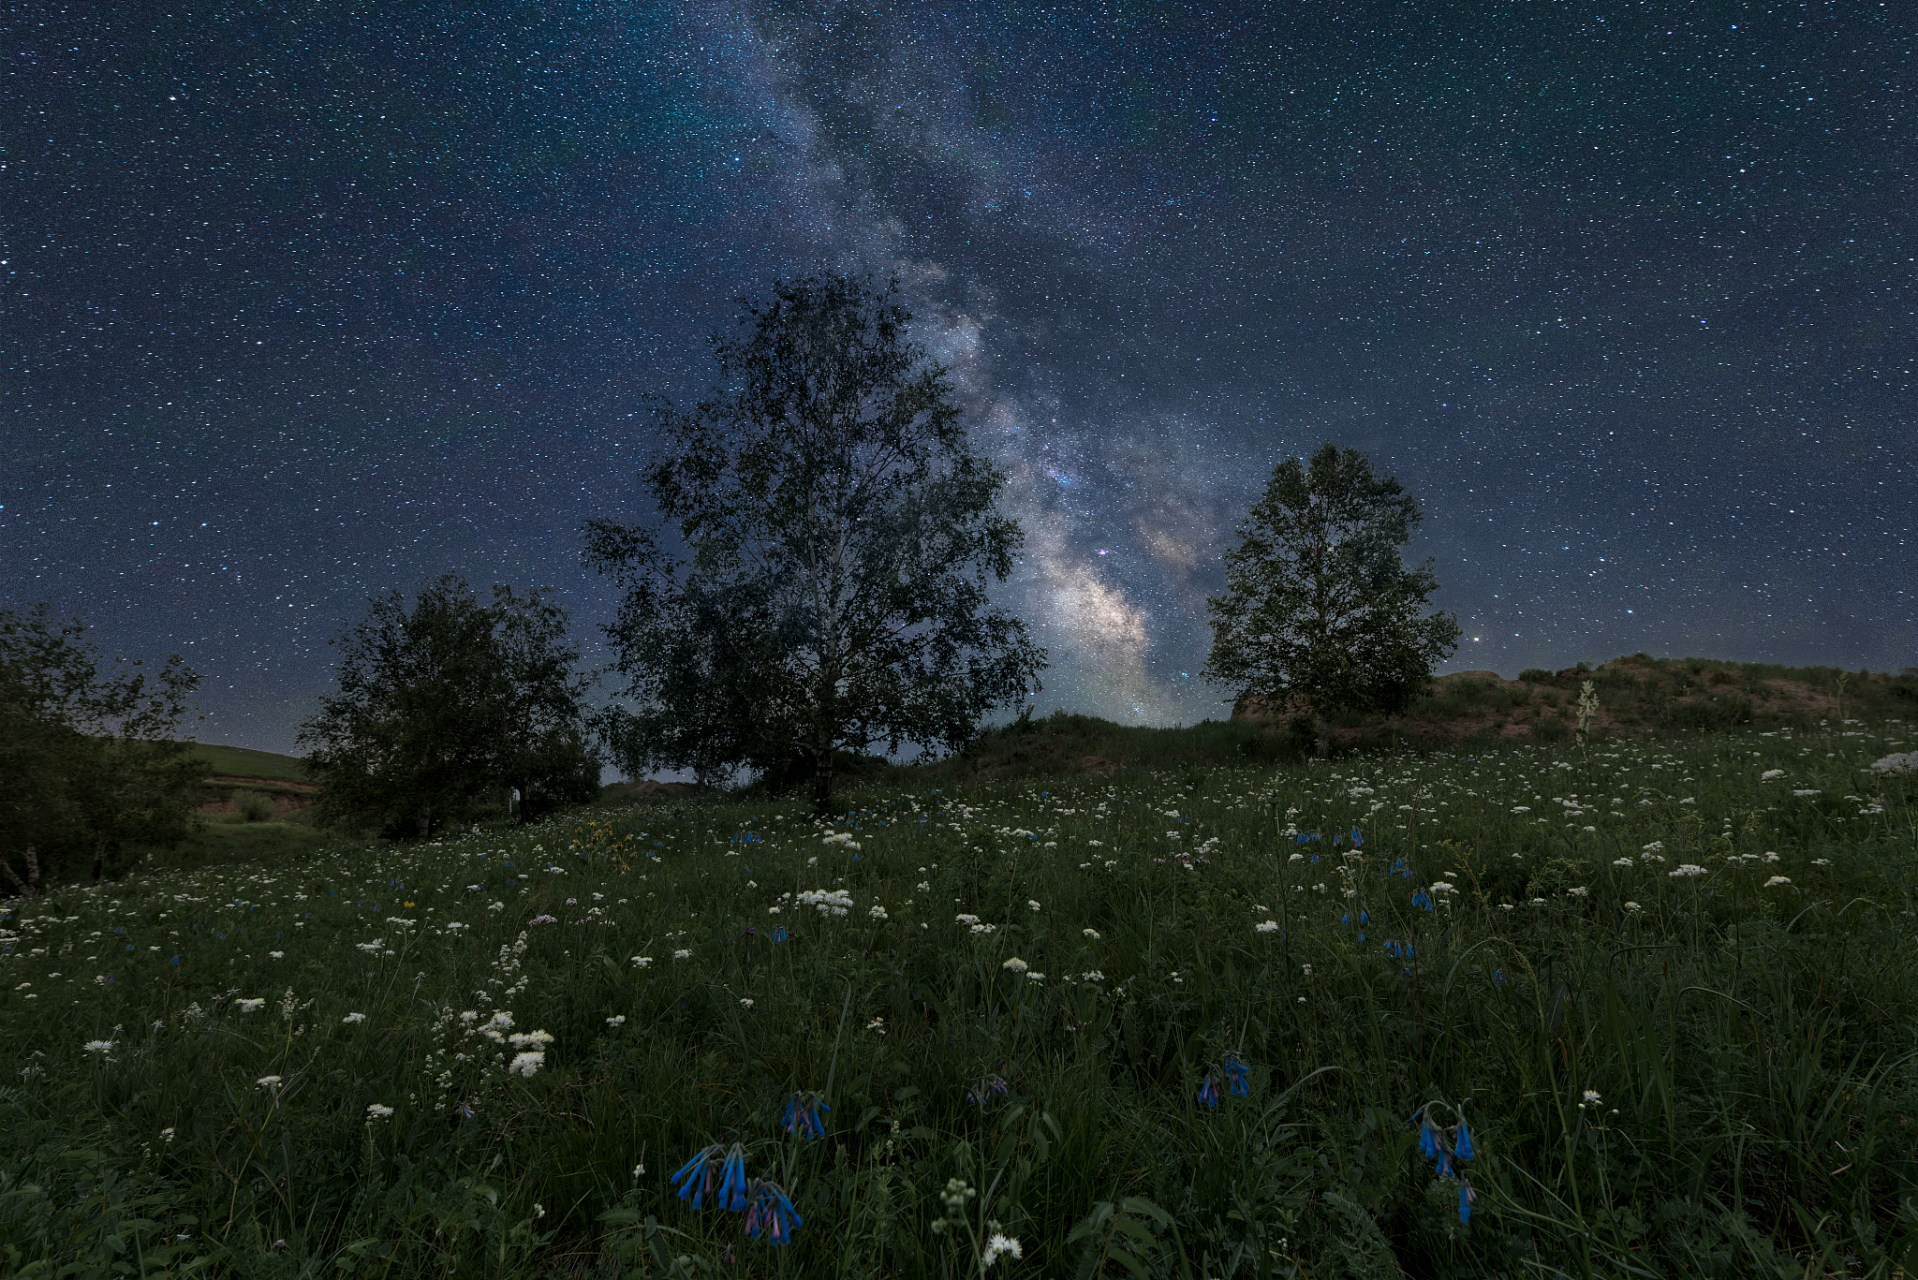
[
  {"x": 1687, "y": 869},
  {"x": 1901, "y": 763},
  {"x": 828, "y": 902},
  {"x": 1266, "y": 926},
  {"x": 843, "y": 839}
]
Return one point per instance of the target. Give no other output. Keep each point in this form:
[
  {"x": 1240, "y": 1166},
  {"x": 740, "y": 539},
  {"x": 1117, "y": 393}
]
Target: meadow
[{"x": 1625, "y": 1008}]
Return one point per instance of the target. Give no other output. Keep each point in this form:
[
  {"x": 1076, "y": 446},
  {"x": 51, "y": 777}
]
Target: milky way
[{"x": 304, "y": 305}]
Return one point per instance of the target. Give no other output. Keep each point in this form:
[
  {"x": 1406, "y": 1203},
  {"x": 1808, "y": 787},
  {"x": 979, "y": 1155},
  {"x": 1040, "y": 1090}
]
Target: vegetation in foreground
[{"x": 1663, "y": 994}]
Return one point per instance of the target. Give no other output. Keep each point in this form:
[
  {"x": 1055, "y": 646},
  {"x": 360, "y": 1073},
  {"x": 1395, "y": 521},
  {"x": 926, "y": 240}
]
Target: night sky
[{"x": 305, "y": 302}]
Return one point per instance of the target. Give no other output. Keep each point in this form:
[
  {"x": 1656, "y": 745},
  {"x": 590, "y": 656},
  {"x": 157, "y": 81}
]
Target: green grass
[
  {"x": 244, "y": 762},
  {"x": 1751, "y": 1047}
]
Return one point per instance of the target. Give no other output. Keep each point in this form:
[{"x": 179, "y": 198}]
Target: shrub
[
  {"x": 251, "y": 806},
  {"x": 1536, "y": 675}
]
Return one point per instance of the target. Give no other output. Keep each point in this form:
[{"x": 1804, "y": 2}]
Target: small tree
[
  {"x": 1318, "y": 609},
  {"x": 838, "y": 536},
  {"x": 88, "y": 757},
  {"x": 445, "y": 702}
]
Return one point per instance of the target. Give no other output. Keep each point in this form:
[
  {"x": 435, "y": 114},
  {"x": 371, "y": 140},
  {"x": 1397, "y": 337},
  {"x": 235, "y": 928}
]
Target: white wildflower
[
  {"x": 526, "y": 1064},
  {"x": 1015, "y": 964},
  {"x": 375, "y": 1111},
  {"x": 1266, "y": 926},
  {"x": 1777, "y": 880},
  {"x": 352, "y": 1018}
]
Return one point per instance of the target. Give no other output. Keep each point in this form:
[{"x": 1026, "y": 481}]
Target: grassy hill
[
  {"x": 1639, "y": 697},
  {"x": 1171, "y": 1022},
  {"x": 244, "y": 762}
]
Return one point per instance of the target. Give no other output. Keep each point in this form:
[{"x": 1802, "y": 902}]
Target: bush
[
  {"x": 1536, "y": 675},
  {"x": 1550, "y": 729},
  {"x": 251, "y": 806}
]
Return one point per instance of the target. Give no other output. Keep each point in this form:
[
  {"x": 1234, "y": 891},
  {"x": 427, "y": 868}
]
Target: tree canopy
[
  {"x": 1318, "y": 608},
  {"x": 815, "y": 575},
  {"x": 89, "y": 761},
  {"x": 439, "y": 705}
]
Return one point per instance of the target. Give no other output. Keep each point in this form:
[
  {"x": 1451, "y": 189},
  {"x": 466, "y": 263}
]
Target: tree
[
  {"x": 833, "y": 538},
  {"x": 1318, "y": 609},
  {"x": 442, "y": 704},
  {"x": 88, "y": 758}
]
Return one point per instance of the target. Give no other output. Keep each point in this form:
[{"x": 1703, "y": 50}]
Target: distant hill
[
  {"x": 1639, "y": 696},
  {"x": 280, "y": 780},
  {"x": 244, "y": 762}
]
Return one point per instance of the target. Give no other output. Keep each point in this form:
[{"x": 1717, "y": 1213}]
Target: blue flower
[
  {"x": 989, "y": 1087},
  {"x": 1422, "y": 900},
  {"x": 1464, "y": 1142},
  {"x": 768, "y": 1208},
  {"x": 779, "y": 933},
  {"x": 802, "y": 1115},
  {"x": 1237, "y": 1076},
  {"x": 695, "y": 1177},
  {"x": 1356, "y": 837},
  {"x": 1465, "y": 1197},
  {"x": 1209, "y": 1091}
]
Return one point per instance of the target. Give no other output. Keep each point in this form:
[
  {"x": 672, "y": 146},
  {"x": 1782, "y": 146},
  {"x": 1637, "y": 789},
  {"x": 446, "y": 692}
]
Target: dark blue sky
[{"x": 307, "y": 302}]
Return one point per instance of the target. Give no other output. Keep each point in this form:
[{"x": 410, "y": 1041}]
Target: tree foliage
[
  {"x": 442, "y": 704},
  {"x": 89, "y": 761},
  {"x": 816, "y": 576},
  {"x": 1318, "y": 608}
]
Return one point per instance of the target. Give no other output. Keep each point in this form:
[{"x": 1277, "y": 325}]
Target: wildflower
[
  {"x": 779, "y": 933},
  {"x": 268, "y": 1082},
  {"x": 997, "y": 1245},
  {"x": 352, "y": 1018},
  {"x": 166, "y": 1134},
  {"x": 642, "y": 961},
  {"x": 526, "y": 1064},
  {"x": 1771, "y": 774},
  {"x": 1266, "y": 926},
  {"x": 1466, "y": 1197},
  {"x": 803, "y": 1115},
  {"x": 276, "y": 955},
  {"x": 745, "y": 1002},
  {"x": 989, "y": 1087},
  {"x": 101, "y": 1047},
  {"x": 695, "y": 1177},
  {"x": 1633, "y": 906},
  {"x": 1591, "y": 1099},
  {"x": 769, "y": 1209},
  {"x": 617, "y": 1020},
  {"x": 682, "y": 954},
  {"x": 1655, "y": 846},
  {"x": 1777, "y": 880},
  {"x": 250, "y": 1006},
  {"x": 1579, "y": 892},
  {"x": 1621, "y": 862},
  {"x": 1031, "y": 904},
  {"x": 877, "y": 1024},
  {"x": 1209, "y": 1090},
  {"x": 374, "y": 1111},
  {"x": 877, "y": 912},
  {"x": 964, "y": 918},
  {"x": 1236, "y": 1073},
  {"x": 1687, "y": 869},
  {"x": 1091, "y": 933},
  {"x": 1015, "y": 964}
]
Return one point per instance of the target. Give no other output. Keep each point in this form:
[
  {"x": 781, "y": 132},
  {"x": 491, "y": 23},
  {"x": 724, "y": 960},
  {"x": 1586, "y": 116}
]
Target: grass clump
[{"x": 1167, "y": 1022}]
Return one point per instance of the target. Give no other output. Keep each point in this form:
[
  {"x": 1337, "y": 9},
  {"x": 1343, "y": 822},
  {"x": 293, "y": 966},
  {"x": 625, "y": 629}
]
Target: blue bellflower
[
  {"x": 802, "y": 1115},
  {"x": 770, "y": 1209}
]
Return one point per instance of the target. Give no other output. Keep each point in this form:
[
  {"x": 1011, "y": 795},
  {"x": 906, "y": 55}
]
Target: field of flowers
[{"x": 1625, "y": 1009}]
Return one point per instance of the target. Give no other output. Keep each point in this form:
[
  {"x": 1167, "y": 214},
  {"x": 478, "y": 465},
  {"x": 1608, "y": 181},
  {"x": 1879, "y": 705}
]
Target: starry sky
[{"x": 306, "y": 302}]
